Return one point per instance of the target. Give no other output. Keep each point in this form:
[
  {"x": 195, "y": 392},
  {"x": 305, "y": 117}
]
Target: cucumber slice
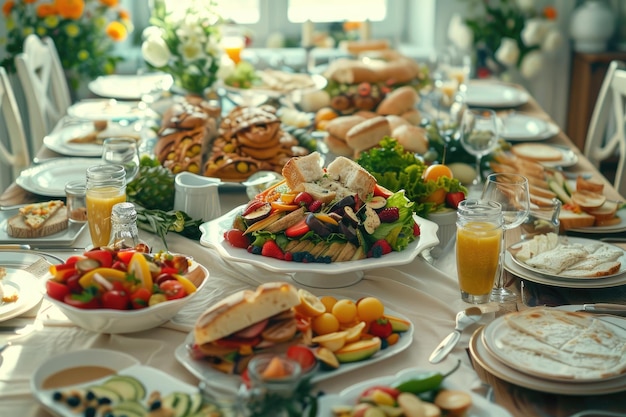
[
  {"x": 178, "y": 402},
  {"x": 196, "y": 403},
  {"x": 207, "y": 410},
  {"x": 128, "y": 387},
  {"x": 130, "y": 406}
]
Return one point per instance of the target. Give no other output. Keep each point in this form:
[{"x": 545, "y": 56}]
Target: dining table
[{"x": 425, "y": 290}]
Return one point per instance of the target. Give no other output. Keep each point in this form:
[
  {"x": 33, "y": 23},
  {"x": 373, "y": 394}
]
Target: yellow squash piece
[
  {"x": 140, "y": 269},
  {"x": 187, "y": 285},
  {"x": 109, "y": 274}
]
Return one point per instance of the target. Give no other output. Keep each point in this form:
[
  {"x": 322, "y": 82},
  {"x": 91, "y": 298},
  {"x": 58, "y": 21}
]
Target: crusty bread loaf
[
  {"x": 56, "y": 223},
  {"x": 412, "y": 138},
  {"x": 352, "y": 176},
  {"x": 398, "y": 101},
  {"x": 301, "y": 169},
  {"x": 570, "y": 220},
  {"x": 368, "y": 133},
  {"x": 359, "y": 46},
  {"x": 340, "y": 126},
  {"x": 395, "y": 121},
  {"x": 244, "y": 308},
  {"x": 338, "y": 146},
  {"x": 537, "y": 152}
]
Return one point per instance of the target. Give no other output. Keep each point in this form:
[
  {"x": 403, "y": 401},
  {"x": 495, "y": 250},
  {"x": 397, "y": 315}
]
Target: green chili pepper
[{"x": 427, "y": 382}]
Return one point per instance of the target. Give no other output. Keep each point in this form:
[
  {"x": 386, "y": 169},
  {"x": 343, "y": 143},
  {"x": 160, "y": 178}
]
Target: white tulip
[
  {"x": 508, "y": 52},
  {"x": 155, "y": 51},
  {"x": 552, "y": 41},
  {"x": 190, "y": 51},
  {"x": 526, "y": 5},
  {"x": 459, "y": 33},
  {"x": 534, "y": 31},
  {"x": 151, "y": 31},
  {"x": 531, "y": 64}
]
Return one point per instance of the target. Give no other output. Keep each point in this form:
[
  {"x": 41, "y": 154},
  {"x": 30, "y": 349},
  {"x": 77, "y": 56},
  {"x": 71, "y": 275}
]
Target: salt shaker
[{"x": 124, "y": 232}]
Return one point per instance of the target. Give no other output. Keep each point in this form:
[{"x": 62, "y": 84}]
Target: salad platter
[{"x": 333, "y": 275}]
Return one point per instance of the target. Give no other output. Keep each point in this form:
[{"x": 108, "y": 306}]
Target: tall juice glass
[
  {"x": 106, "y": 186},
  {"x": 479, "y": 237}
]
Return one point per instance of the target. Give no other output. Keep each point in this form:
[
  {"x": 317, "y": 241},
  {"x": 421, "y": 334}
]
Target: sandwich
[{"x": 228, "y": 333}]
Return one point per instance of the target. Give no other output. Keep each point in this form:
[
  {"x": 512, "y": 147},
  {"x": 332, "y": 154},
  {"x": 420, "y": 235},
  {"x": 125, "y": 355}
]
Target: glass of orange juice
[
  {"x": 106, "y": 186},
  {"x": 478, "y": 243},
  {"x": 233, "y": 43}
]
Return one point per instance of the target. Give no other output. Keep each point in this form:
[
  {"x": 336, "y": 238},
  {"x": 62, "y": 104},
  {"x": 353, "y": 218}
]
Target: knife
[{"x": 605, "y": 308}]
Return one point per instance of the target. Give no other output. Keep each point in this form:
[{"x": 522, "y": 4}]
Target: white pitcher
[{"x": 197, "y": 196}]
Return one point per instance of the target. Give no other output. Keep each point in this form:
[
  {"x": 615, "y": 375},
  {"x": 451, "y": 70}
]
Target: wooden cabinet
[{"x": 588, "y": 72}]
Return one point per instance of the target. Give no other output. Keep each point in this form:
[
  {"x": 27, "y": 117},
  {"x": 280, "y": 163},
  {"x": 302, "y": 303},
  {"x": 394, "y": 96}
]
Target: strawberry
[
  {"x": 272, "y": 250},
  {"x": 453, "y": 199},
  {"x": 303, "y": 199},
  {"x": 389, "y": 214},
  {"x": 416, "y": 229},
  {"x": 297, "y": 229},
  {"x": 381, "y": 327},
  {"x": 379, "y": 190},
  {"x": 315, "y": 206},
  {"x": 236, "y": 238},
  {"x": 379, "y": 248}
]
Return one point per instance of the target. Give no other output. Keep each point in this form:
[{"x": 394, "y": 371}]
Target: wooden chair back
[
  {"x": 45, "y": 87},
  {"x": 606, "y": 136},
  {"x": 14, "y": 154}
]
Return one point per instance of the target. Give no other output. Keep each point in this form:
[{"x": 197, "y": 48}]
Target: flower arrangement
[
  {"x": 84, "y": 33},
  {"x": 185, "y": 45},
  {"x": 507, "y": 34}
]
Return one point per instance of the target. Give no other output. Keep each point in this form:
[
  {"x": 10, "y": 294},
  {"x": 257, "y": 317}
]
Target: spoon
[{"x": 464, "y": 319}]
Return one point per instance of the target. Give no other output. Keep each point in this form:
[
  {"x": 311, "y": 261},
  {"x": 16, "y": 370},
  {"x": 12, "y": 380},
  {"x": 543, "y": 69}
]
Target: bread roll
[
  {"x": 56, "y": 223},
  {"x": 340, "y": 126},
  {"x": 338, "y": 146},
  {"x": 244, "y": 308},
  {"x": 413, "y": 116},
  {"x": 395, "y": 121},
  {"x": 303, "y": 169},
  {"x": 368, "y": 133},
  {"x": 412, "y": 138},
  {"x": 357, "y": 47},
  {"x": 398, "y": 101},
  {"x": 399, "y": 71}
]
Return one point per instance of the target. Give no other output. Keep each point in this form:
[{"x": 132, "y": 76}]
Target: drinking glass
[
  {"x": 479, "y": 135},
  {"x": 511, "y": 192},
  {"x": 122, "y": 151},
  {"x": 478, "y": 248},
  {"x": 443, "y": 112}
]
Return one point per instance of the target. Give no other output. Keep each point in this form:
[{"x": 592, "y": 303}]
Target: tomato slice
[
  {"x": 140, "y": 298},
  {"x": 77, "y": 301},
  {"x": 172, "y": 289},
  {"x": 125, "y": 256},
  {"x": 57, "y": 290},
  {"x": 103, "y": 256},
  {"x": 116, "y": 300},
  {"x": 303, "y": 356}
]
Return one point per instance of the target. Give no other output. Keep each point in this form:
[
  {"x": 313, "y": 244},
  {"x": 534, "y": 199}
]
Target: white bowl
[{"x": 104, "y": 320}]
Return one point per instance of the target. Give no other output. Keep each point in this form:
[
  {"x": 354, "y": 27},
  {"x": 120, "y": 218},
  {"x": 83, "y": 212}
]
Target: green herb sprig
[{"x": 161, "y": 222}]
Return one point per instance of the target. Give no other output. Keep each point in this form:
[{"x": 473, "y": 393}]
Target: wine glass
[
  {"x": 443, "y": 111},
  {"x": 479, "y": 135},
  {"x": 122, "y": 151},
  {"x": 511, "y": 191}
]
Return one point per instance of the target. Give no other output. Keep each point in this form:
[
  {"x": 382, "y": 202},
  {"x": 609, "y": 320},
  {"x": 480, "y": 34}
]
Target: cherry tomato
[
  {"x": 303, "y": 356},
  {"x": 57, "y": 290},
  {"x": 125, "y": 255},
  {"x": 393, "y": 392},
  {"x": 116, "y": 300},
  {"x": 140, "y": 298},
  {"x": 73, "y": 259},
  {"x": 164, "y": 277},
  {"x": 75, "y": 300},
  {"x": 120, "y": 266},
  {"x": 73, "y": 283},
  {"x": 103, "y": 256},
  {"x": 380, "y": 327},
  {"x": 172, "y": 289},
  {"x": 237, "y": 239}
]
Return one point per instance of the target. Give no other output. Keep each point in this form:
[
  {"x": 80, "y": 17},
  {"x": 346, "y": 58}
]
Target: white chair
[
  {"x": 45, "y": 87},
  {"x": 606, "y": 137},
  {"x": 14, "y": 155}
]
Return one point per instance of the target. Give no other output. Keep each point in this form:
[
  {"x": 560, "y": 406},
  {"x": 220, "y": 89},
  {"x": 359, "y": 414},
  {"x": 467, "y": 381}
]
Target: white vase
[{"x": 592, "y": 25}]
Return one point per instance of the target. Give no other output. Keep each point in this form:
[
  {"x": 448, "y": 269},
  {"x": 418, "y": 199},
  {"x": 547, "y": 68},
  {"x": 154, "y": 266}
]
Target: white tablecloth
[{"x": 417, "y": 290}]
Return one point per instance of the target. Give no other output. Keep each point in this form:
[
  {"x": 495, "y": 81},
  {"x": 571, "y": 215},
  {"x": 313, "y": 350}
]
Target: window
[
  {"x": 336, "y": 11},
  {"x": 240, "y": 11}
]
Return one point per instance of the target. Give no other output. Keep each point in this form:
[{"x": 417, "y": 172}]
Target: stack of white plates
[
  {"x": 489, "y": 350},
  {"x": 529, "y": 273},
  {"x": 520, "y": 127}
]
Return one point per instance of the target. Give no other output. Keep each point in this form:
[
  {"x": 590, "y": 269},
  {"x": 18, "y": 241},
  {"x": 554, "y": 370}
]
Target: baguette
[
  {"x": 17, "y": 228},
  {"x": 368, "y": 134},
  {"x": 398, "y": 101}
]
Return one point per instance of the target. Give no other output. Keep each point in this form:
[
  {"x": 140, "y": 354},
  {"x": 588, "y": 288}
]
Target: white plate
[
  {"x": 63, "y": 238},
  {"x": 49, "y": 178},
  {"x": 564, "y": 275},
  {"x": 481, "y": 407},
  {"x": 519, "y": 127},
  {"x": 497, "y": 329},
  {"x": 482, "y": 356},
  {"x": 202, "y": 370},
  {"x": 28, "y": 290},
  {"x": 333, "y": 275},
  {"x": 105, "y": 109},
  {"x": 131, "y": 86},
  {"x": 493, "y": 94},
  {"x": 614, "y": 228},
  {"x": 511, "y": 266},
  {"x": 59, "y": 141},
  {"x": 152, "y": 379},
  {"x": 568, "y": 158}
]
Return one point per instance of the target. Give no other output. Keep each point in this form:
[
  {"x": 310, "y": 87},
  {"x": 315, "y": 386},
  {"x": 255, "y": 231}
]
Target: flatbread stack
[
  {"x": 562, "y": 344},
  {"x": 38, "y": 220},
  {"x": 550, "y": 255}
]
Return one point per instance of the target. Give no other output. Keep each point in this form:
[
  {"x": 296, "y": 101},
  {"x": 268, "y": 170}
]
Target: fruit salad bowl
[{"x": 317, "y": 275}]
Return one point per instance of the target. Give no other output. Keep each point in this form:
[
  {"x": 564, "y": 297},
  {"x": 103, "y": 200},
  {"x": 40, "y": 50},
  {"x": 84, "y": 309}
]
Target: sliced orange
[{"x": 310, "y": 305}]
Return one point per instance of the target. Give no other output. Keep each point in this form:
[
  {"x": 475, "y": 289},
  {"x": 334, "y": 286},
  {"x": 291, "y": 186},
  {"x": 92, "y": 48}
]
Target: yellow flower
[
  {"x": 100, "y": 22},
  {"x": 116, "y": 31},
  {"x": 83, "y": 55},
  {"x": 41, "y": 31},
  {"x": 72, "y": 30},
  {"x": 27, "y": 31},
  {"x": 10, "y": 24},
  {"x": 51, "y": 21}
]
